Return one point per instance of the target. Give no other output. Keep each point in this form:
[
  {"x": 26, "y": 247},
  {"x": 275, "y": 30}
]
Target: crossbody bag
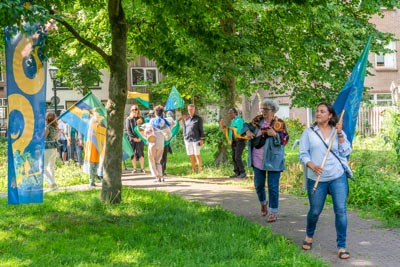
[{"x": 333, "y": 153}]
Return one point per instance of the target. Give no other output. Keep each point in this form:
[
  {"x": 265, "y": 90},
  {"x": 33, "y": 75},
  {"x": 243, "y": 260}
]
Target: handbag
[{"x": 258, "y": 142}]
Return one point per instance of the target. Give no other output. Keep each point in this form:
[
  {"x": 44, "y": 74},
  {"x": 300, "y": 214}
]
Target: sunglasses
[
  {"x": 134, "y": 109},
  {"x": 266, "y": 108}
]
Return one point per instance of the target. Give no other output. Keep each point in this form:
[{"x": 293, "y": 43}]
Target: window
[
  {"x": 3, "y": 113},
  {"x": 386, "y": 61},
  {"x": 142, "y": 75},
  {"x": 283, "y": 111},
  {"x": 60, "y": 84},
  {"x": 383, "y": 100},
  {"x": 378, "y": 99}
]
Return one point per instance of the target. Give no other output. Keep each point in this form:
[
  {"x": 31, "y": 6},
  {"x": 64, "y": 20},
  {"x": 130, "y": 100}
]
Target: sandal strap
[
  {"x": 305, "y": 243},
  {"x": 342, "y": 254},
  {"x": 272, "y": 217}
]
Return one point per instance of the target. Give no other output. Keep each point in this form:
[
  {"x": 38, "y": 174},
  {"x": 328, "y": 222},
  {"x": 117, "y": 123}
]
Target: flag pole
[{"x": 327, "y": 153}]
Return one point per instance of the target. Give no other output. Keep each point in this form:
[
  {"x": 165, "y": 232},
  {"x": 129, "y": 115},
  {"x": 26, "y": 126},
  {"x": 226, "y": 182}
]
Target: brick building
[{"x": 385, "y": 69}]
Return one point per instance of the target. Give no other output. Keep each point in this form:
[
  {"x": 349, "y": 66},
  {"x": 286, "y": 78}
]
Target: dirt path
[{"x": 369, "y": 244}]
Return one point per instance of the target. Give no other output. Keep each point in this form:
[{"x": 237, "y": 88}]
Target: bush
[
  {"x": 376, "y": 186},
  {"x": 212, "y": 133},
  {"x": 391, "y": 130},
  {"x": 295, "y": 129}
]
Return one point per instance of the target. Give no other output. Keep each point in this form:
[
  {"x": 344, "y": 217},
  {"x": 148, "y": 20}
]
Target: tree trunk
[
  {"x": 227, "y": 102},
  {"x": 112, "y": 185},
  {"x": 228, "y": 93}
]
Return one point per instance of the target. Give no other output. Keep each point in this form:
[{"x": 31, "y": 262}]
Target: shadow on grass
[{"x": 146, "y": 229}]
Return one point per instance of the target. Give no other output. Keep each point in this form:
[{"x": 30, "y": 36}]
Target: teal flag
[
  {"x": 175, "y": 100},
  {"x": 350, "y": 97}
]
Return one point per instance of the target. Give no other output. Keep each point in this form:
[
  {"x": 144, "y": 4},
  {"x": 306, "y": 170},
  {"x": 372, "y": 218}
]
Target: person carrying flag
[
  {"x": 333, "y": 179},
  {"x": 327, "y": 169},
  {"x": 94, "y": 148},
  {"x": 237, "y": 142}
]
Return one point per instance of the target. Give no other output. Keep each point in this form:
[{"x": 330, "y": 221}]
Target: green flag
[{"x": 174, "y": 100}]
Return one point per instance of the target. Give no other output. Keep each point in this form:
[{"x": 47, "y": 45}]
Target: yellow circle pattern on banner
[
  {"x": 26, "y": 84},
  {"x": 22, "y": 139}
]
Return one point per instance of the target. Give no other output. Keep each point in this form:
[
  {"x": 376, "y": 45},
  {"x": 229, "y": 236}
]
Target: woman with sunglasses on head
[
  {"x": 267, "y": 136},
  {"x": 131, "y": 122}
]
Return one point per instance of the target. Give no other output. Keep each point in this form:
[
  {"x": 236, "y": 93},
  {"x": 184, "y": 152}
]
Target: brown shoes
[
  {"x": 264, "y": 210},
  {"x": 272, "y": 217}
]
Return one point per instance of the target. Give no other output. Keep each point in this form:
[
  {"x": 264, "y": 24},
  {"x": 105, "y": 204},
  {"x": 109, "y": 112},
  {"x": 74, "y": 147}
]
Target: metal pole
[{"x": 55, "y": 96}]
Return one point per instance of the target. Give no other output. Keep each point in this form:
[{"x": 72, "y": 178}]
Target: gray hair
[{"x": 269, "y": 103}]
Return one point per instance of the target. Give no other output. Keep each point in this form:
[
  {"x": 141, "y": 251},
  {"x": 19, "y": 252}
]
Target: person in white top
[{"x": 157, "y": 131}]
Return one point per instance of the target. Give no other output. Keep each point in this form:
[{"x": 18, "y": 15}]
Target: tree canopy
[{"x": 304, "y": 48}]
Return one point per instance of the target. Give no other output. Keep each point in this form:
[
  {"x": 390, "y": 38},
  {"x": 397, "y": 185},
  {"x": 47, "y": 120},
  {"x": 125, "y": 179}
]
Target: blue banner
[
  {"x": 26, "y": 80},
  {"x": 350, "y": 97}
]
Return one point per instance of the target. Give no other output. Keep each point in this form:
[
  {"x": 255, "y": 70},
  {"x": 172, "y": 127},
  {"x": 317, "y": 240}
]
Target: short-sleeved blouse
[{"x": 51, "y": 139}]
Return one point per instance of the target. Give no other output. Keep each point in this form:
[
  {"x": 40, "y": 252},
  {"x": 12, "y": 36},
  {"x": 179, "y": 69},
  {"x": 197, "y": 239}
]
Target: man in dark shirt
[
  {"x": 132, "y": 120},
  {"x": 193, "y": 136}
]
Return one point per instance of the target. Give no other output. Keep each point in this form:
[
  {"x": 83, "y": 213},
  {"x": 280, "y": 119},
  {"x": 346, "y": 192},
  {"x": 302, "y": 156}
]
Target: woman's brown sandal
[
  {"x": 272, "y": 217},
  {"x": 306, "y": 245},
  {"x": 344, "y": 255}
]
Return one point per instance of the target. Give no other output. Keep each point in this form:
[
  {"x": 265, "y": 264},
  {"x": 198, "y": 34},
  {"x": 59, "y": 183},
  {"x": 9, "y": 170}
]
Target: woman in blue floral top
[{"x": 50, "y": 152}]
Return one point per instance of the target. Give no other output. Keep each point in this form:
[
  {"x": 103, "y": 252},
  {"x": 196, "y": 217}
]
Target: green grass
[{"x": 148, "y": 228}]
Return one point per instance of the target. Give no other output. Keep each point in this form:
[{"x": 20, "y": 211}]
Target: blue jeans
[
  {"x": 273, "y": 188},
  {"x": 79, "y": 150},
  {"x": 338, "y": 189}
]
